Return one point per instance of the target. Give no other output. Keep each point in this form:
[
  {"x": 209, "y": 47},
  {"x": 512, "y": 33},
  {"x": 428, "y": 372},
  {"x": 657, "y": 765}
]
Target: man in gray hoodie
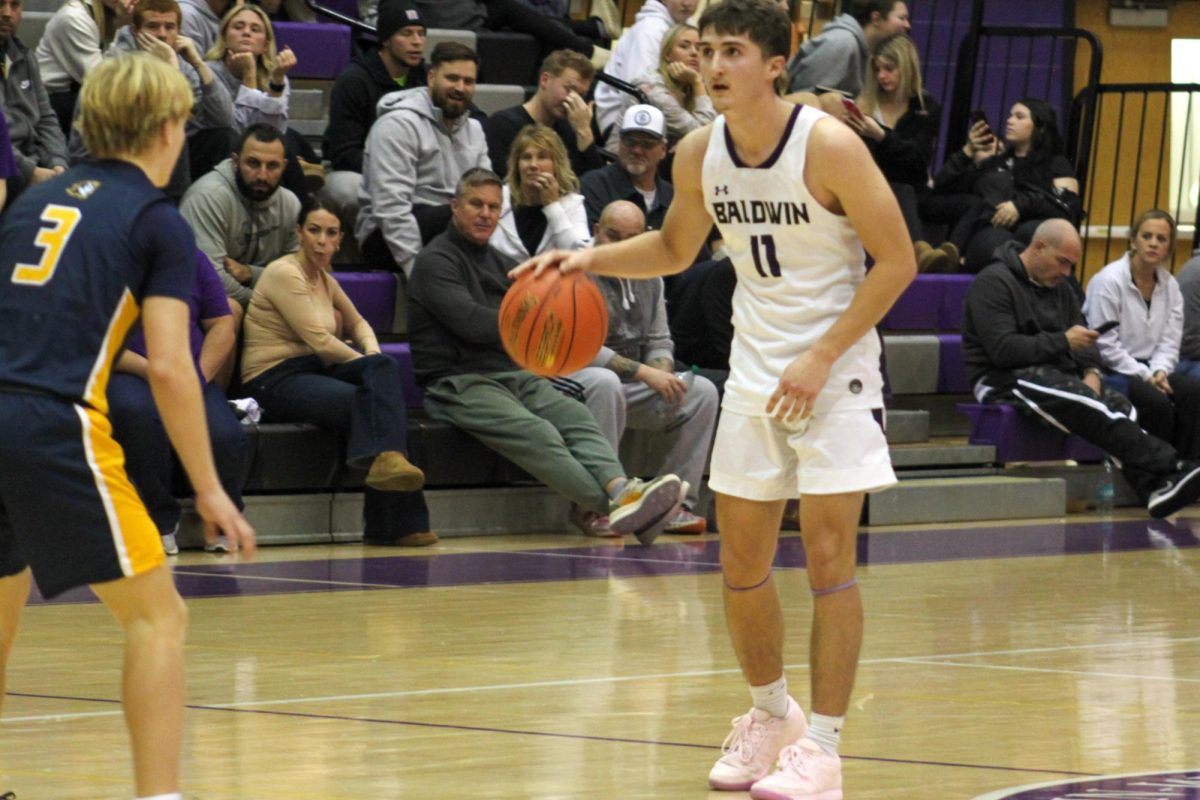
[
  {"x": 838, "y": 57},
  {"x": 420, "y": 145},
  {"x": 37, "y": 140},
  {"x": 242, "y": 217}
]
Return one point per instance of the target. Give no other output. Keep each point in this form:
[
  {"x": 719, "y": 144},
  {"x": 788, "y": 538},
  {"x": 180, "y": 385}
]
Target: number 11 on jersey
[
  {"x": 52, "y": 240},
  {"x": 764, "y": 246}
]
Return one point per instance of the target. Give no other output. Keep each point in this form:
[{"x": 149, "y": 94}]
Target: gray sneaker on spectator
[{"x": 643, "y": 509}]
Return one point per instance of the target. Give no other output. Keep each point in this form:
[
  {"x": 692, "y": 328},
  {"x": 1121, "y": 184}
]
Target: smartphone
[
  {"x": 852, "y": 108},
  {"x": 1105, "y": 327},
  {"x": 979, "y": 115}
]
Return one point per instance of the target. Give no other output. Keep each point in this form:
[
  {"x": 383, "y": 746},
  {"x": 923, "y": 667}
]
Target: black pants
[
  {"x": 700, "y": 306},
  {"x": 1065, "y": 402},
  {"x": 517, "y": 16},
  {"x": 907, "y": 198},
  {"x": 63, "y": 104},
  {"x": 431, "y": 220},
  {"x": 1174, "y": 417},
  {"x": 982, "y": 239}
]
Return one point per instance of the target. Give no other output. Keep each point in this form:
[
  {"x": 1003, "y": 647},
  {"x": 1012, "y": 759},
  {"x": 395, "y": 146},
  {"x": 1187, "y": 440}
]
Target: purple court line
[
  {"x": 676, "y": 557},
  {"x": 548, "y": 734}
]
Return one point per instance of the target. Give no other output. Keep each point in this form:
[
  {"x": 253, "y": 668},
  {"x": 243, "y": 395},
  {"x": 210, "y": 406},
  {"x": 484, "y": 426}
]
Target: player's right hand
[
  {"x": 220, "y": 515},
  {"x": 562, "y": 260}
]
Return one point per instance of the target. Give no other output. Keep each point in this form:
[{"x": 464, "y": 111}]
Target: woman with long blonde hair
[
  {"x": 245, "y": 59},
  {"x": 674, "y": 87},
  {"x": 542, "y": 207}
]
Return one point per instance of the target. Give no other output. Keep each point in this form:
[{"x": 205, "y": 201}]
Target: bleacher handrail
[
  {"x": 337, "y": 16},
  {"x": 622, "y": 86}
]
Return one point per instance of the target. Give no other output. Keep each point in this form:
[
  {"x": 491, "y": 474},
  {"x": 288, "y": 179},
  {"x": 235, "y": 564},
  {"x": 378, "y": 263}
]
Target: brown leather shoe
[
  {"x": 932, "y": 260},
  {"x": 422, "y": 539},
  {"x": 392, "y": 472}
]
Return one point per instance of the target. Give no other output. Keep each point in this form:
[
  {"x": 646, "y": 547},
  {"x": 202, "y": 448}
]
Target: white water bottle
[{"x": 1106, "y": 489}]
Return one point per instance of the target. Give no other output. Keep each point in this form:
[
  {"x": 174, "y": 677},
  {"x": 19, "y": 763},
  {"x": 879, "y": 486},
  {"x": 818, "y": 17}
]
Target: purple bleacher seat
[
  {"x": 952, "y": 371},
  {"x": 322, "y": 50},
  {"x": 1018, "y": 437},
  {"x": 373, "y": 294},
  {"x": 414, "y": 397},
  {"x": 954, "y": 297},
  {"x": 917, "y": 308}
]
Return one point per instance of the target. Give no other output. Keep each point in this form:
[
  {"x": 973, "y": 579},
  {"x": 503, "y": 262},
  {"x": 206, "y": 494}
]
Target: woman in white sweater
[
  {"x": 73, "y": 42},
  {"x": 1138, "y": 292},
  {"x": 542, "y": 209}
]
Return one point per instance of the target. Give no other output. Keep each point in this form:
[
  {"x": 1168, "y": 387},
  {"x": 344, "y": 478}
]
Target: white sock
[
  {"x": 772, "y": 698},
  {"x": 825, "y": 732},
  {"x": 169, "y": 796}
]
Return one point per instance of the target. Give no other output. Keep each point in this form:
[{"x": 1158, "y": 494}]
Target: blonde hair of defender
[
  {"x": 125, "y": 101},
  {"x": 542, "y": 139}
]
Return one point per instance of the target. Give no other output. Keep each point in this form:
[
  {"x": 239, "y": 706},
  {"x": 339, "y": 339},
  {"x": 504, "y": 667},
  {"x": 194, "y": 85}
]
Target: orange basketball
[{"x": 553, "y": 324}]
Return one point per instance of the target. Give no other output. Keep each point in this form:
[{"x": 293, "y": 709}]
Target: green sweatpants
[{"x": 523, "y": 418}]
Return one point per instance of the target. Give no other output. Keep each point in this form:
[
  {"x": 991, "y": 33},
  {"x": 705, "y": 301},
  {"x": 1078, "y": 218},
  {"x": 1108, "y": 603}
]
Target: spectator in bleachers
[
  {"x": 37, "y": 138},
  {"x": 563, "y": 82},
  {"x": 288, "y": 11},
  {"x": 1141, "y": 354},
  {"x": 8, "y": 164},
  {"x": 73, "y": 42},
  {"x": 636, "y": 53},
  {"x": 155, "y": 29},
  {"x": 899, "y": 124},
  {"x": 242, "y": 217},
  {"x": 1014, "y": 184},
  {"x": 398, "y": 64},
  {"x": 297, "y": 366},
  {"x": 496, "y": 15},
  {"x": 202, "y": 20},
  {"x": 1189, "y": 287},
  {"x": 634, "y": 176},
  {"x": 632, "y": 385},
  {"x": 542, "y": 208},
  {"x": 454, "y": 296},
  {"x": 418, "y": 148},
  {"x": 838, "y": 57},
  {"x": 138, "y": 428},
  {"x": 246, "y": 61},
  {"x": 674, "y": 87},
  {"x": 701, "y": 316},
  {"x": 1026, "y": 342}
]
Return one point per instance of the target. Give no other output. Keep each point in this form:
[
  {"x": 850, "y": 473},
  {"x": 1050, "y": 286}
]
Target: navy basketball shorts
[{"x": 67, "y": 508}]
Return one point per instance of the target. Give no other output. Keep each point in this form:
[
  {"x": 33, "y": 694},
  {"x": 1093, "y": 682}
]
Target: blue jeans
[
  {"x": 138, "y": 428},
  {"x": 363, "y": 400},
  {"x": 1189, "y": 368}
]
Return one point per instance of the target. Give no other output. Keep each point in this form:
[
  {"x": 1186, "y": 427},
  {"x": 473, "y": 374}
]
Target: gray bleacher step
[
  {"x": 912, "y": 363},
  {"x": 307, "y": 104},
  {"x": 47, "y": 6},
  {"x": 941, "y": 453},
  {"x": 904, "y": 426},
  {"x": 939, "y": 500},
  {"x": 33, "y": 25},
  {"x": 308, "y": 127},
  {"x": 944, "y": 417}
]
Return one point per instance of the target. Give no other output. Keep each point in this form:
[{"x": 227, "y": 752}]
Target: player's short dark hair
[
  {"x": 445, "y": 52},
  {"x": 862, "y": 10},
  {"x": 475, "y": 177},
  {"x": 763, "y": 22},
  {"x": 260, "y": 132}
]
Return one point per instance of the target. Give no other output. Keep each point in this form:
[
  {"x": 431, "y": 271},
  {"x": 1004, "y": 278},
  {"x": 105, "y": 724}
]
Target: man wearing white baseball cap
[{"x": 634, "y": 177}]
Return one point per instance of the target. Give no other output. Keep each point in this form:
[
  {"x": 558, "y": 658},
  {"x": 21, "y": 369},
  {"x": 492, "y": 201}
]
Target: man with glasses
[
  {"x": 634, "y": 177},
  {"x": 1025, "y": 342}
]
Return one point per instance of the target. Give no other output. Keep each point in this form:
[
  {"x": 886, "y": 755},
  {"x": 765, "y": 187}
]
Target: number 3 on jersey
[
  {"x": 52, "y": 240},
  {"x": 764, "y": 246}
]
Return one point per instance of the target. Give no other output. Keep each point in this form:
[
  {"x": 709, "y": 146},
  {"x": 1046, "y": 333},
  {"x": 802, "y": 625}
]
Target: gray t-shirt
[{"x": 1189, "y": 284}]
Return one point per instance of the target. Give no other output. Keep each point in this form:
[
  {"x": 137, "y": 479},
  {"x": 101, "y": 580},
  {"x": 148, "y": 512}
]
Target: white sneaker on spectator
[
  {"x": 221, "y": 545},
  {"x": 170, "y": 546},
  {"x": 806, "y": 772},
  {"x": 644, "y": 508},
  {"x": 750, "y": 749}
]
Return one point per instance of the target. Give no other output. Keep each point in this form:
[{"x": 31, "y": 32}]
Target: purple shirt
[
  {"x": 207, "y": 301},
  {"x": 8, "y": 165}
]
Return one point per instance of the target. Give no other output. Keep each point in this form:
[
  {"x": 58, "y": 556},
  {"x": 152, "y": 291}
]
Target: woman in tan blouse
[{"x": 298, "y": 368}]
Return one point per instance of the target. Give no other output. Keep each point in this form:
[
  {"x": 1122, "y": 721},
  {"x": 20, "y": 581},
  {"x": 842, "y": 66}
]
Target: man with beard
[
  {"x": 420, "y": 145},
  {"x": 634, "y": 177},
  {"x": 242, "y": 218}
]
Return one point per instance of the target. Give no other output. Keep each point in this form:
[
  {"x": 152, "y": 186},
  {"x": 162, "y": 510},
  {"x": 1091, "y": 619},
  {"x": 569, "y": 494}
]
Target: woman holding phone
[
  {"x": 898, "y": 120},
  {"x": 1139, "y": 293}
]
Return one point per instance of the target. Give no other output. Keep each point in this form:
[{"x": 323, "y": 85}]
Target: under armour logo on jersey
[{"x": 719, "y": 190}]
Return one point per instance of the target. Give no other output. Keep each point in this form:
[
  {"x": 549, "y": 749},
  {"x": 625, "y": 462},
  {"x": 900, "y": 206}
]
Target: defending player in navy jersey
[
  {"x": 81, "y": 256},
  {"x": 797, "y": 198}
]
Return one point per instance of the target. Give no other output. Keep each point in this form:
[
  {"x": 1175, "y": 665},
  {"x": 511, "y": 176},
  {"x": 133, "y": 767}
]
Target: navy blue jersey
[{"x": 78, "y": 254}]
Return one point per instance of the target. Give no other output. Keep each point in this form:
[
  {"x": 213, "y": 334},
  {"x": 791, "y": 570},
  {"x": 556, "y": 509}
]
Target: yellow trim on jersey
[
  {"x": 95, "y": 394},
  {"x": 135, "y": 536}
]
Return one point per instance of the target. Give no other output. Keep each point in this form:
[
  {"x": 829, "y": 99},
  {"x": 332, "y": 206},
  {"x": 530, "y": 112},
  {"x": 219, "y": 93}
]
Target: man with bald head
[
  {"x": 632, "y": 383},
  {"x": 1025, "y": 342}
]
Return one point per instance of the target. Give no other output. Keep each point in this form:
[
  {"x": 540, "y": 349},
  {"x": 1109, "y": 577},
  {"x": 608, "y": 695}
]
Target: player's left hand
[
  {"x": 796, "y": 394},
  {"x": 563, "y": 260}
]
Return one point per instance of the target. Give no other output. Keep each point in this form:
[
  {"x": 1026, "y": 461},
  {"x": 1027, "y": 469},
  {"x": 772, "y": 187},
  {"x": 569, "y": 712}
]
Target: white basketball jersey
[{"x": 798, "y": 266}]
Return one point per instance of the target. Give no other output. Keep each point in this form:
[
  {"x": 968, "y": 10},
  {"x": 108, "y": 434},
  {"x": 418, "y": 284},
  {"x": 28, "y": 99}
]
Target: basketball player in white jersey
[{"x": 796, "y": 197}]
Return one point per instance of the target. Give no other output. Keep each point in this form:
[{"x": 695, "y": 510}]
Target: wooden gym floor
[{"x": 557, "y": 667}]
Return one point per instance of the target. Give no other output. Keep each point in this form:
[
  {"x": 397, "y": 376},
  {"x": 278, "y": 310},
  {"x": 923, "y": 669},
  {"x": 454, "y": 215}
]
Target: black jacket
[
  {"x": 501, "y": 130},
  {"x": 1010, "y": 322},
  {"x": 1029, "y": 183},
  {"x": 906, "y": 152},
  {"x": 352, "y": 107},
  {"x": 602, "y": 186}
]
